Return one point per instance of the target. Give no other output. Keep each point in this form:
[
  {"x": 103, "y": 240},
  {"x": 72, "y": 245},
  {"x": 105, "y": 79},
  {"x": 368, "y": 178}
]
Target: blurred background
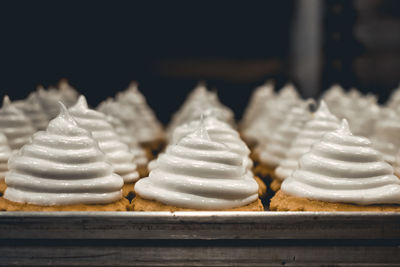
[{"x": 168, "y": 46}]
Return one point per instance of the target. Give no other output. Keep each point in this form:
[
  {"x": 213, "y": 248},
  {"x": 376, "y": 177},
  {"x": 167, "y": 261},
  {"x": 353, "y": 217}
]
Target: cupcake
[
  {"x": 386, "y": 137},
  {"x": 322, "y": 122},
  {"x": 273, "y": 153},
  {"x": 34, "y": 112},
  {"x": 14, "y": 125},
  {"x": 139, "y": 154},
  {"x": 62, "y": 169},
  {"x": 5, "y": 153},
  {"x": 341, "y": 172},
  {"x": 103, "y": 132},
  {"x": 198, "y": 174}
]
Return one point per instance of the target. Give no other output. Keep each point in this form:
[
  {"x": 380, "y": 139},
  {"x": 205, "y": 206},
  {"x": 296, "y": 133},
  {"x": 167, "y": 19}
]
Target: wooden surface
[{"x": 199, "y": 238}]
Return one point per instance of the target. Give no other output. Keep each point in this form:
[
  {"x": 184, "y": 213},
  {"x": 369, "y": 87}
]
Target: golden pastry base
[
  {"x": 262, "y": 188},
  {"x": 275, "y": 184},
  {"x": 121, "y": 205},
  {"x": 153, "y": 148},
  {"x": 266, "y": 173},
  {"x": 284, "y": 202},
  {"x": 140, "y": 204},
  {"x": 142, "y": 170},
  {"x": 128, "y": 190},
  {"x": 3, "y": 186}
]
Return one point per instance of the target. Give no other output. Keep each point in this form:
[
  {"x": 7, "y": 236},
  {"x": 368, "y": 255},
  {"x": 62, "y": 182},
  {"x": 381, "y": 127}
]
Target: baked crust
[
  {"x": 284, "y": 202},
  {"x": 141, "y": 204},
  {"x": 128, "y": 189},
  {"x": 262, "y": 188},
  {"x": 266, "y": 173},
  {"x": 153, "y": 148},
  {"x": 7, "y": 205},
  {"x": 275, "y": 184},
  {"x": 142, "y": 170},
  {"x": 3, "y": 186}
]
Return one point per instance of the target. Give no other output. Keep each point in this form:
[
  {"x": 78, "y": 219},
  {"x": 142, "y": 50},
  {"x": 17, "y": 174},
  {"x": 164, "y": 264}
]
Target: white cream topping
[
  {"x": 386, "y": 137},
  {"x": 270, "y": 117},
  {"x": 219, "y": 132},
  {"x": 345, "y": 168},
  {"x": 258, "y": 99},
  {"x": 273, "y": 152},
  {"x": 34, "y": 111},
  {"x": 137, "y": 151},
  {"x": 48, "y": 99},
  {"x": 145, "y": 125},
  {"x": 5, "y": 153},
  {"x": 200, "y": 174},
  {"x": 15, "y": 125},
  {"x": 68, "y": 94},
  {"x": 199, "y": 100},
  {"x": 322, "y": 122},
  {"x": 103, "y": 132},
  {"x": 62, "y": 166}
]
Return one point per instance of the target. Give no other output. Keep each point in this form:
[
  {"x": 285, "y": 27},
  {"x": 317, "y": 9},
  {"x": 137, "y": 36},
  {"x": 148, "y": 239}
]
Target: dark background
[{"x": 167, "y": 46}]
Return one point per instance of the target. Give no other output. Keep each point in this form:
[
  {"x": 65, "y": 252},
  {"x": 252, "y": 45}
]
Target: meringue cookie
[
  {"x": 48, "y": 99},
  {"x": 5, "y": 153},
  {"x": 263, "y": 127},
  {"x": 272, "y": 153},
  {"x": 321, "y": 123},
  {"x": 116, "y": 151},
  {"x": 258, "y": 99},
  {"x": 345, "y": 168},
  {"x": 386, "y": 135},
  {"x": 62, "y": 166},
  {"x": 15, "y": 125},
  {"x": 198, "y": 173},
  {"x": 34, "y": 111}
]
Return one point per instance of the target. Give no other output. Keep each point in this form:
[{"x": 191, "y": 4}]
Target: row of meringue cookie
[
  {"x": 266, "y": 112},
  {"x": 288, "y": 150},
  {"x": 121, "y": 149}
]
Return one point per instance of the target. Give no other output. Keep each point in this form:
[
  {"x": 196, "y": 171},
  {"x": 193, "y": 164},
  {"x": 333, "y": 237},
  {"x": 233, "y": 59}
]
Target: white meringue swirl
[
  {"x": 15, "y": 125},
  {"x": 322, "y": 122},
  {"x": 116, "y": 151},
  {"x": 5, "y": 153},
  {"x": 273, "y": 152},
  {"x": 344, "y": 168},
  {"x": 62, "y": 166},
  {"x": 200, "y": 174}
]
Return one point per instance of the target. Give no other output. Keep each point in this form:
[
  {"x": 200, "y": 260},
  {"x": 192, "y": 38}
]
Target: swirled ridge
[
  {"x": 345, "y": 168},
  {"x": 62, "y": 166}
]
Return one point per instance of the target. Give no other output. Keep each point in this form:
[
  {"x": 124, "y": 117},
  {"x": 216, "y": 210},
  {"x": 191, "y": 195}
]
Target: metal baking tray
[{"x": 199, "y": 238}]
